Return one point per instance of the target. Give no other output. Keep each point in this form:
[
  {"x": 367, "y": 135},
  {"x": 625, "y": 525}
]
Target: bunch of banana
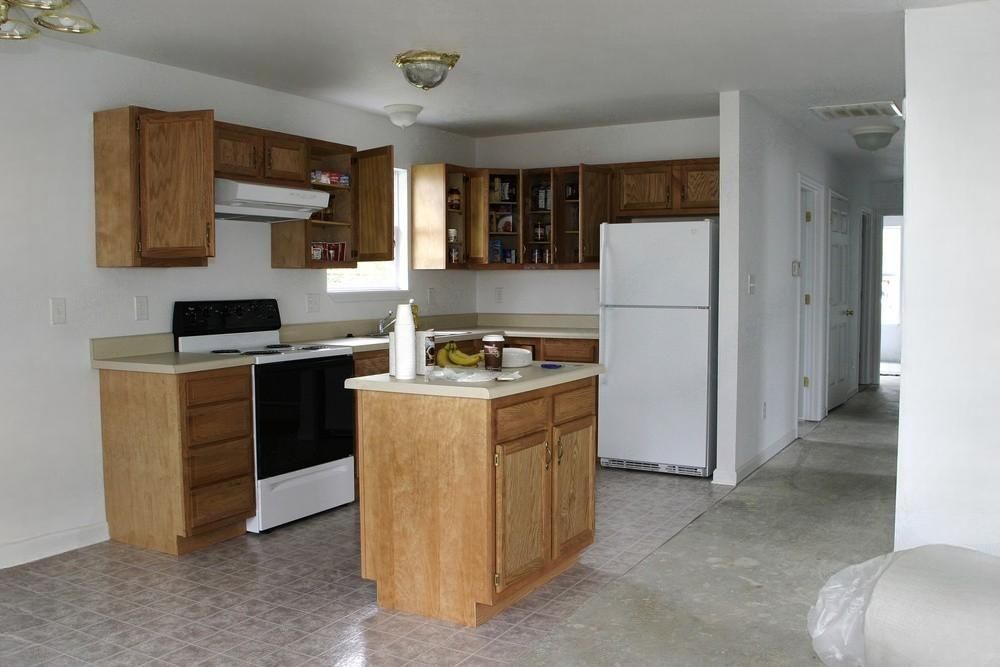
[{"x": 450, "y": 355}]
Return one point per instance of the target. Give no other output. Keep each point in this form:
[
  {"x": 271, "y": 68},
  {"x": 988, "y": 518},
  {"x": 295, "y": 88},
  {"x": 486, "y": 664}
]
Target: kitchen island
[{"x": 474, "y": 494}]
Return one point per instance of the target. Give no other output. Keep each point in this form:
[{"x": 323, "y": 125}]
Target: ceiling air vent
[{"x": 863, "y": 110}]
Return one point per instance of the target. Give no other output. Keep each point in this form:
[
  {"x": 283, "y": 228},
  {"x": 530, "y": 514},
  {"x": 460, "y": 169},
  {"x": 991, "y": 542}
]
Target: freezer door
[
  {"x": 654, "y": 397},
  {"x": 657, "y": 263}
]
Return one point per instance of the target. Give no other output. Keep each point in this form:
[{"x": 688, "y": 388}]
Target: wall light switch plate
[
  {"x": 312, "y": 303},
  {"x": 141, "y": 305},
  {"x": 796, "y": 268},
  {"x": 57, "y": 310},
  {"x": 498, "y": 294}
]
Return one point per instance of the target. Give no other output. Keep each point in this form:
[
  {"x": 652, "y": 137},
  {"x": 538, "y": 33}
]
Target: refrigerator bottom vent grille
[{"x": 653, "y": 467}]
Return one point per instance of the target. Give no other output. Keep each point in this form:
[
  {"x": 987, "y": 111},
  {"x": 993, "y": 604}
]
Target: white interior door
[
  {"x": 654, "y": 397},
  {"x": 843, "y": 340}
]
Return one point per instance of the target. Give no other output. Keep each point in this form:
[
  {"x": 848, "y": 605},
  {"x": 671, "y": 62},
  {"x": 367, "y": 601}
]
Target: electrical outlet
[
  {"x": 498, "y": 294},
  {"x": 312, "y": 303},
  {"x": 431, "y": 296},
  {"x": 141, "y": 306},
  {"x": 765, "y": 409},
  {"x": 57, "y": 310},
  {"x": 796, "y": 268}
]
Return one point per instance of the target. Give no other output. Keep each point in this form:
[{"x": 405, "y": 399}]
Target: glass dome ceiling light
[
  {"x": 74, "y": 17},
  {"x": 426, "y": 69},
  {"x": 15, "y": 23}
]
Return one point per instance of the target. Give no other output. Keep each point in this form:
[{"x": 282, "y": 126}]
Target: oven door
[{"x": 303, "y": 414}]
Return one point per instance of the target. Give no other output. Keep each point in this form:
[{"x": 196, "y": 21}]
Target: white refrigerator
[{"x": 658, "y": 319}]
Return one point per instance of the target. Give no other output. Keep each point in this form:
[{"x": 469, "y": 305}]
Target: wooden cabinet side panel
[
  {"x": 289, "y": 245},
  {"x": 595, "y": 208},
  {"x": 371, "y": 363},
  {"x": 141, "y": 424},
  {"x": 428, "y": 242},
  {"x": 426, "y": 520},
  {"x": 478, "y": 212},
  {"x": 115, "y": 187}
]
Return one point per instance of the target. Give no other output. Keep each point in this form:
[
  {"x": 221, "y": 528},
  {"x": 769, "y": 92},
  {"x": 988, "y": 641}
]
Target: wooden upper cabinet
[
  {"x": 644, "y": 189},
  {"x": 698, "y": 183},
  {"x": 523, "y": 519},
  {"x": 595, "y": 209},
  {"x": 286, "y": 158},
  {"x": 239, "y": 153},
  {"x": 375, "y": 204},
  {"x": 573, "y": 485}
]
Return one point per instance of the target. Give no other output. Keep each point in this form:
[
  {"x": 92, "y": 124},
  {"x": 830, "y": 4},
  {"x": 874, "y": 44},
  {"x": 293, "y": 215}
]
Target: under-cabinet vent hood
[{"x": 252, "y": 202}]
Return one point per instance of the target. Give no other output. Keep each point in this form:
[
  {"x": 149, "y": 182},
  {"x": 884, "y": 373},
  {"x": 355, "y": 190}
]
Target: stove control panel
[{"x": 205, "y": 318}]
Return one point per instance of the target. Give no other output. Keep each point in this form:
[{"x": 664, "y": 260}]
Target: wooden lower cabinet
[
  {"x": 570, "y": 350},
  {"x": 523, "y": 514},
  {"x": 375, "y": 362},
  {"x": 469, "y": 505},
  {"x": 178, "y": 457}
]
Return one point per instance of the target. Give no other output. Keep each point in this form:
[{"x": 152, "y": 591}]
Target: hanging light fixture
[
  {"x": 67, "y": 16},
  {"x": 426, "y": 69},
  {"x": 15, "y": 23},
  {"x": 873, "y": 137}
]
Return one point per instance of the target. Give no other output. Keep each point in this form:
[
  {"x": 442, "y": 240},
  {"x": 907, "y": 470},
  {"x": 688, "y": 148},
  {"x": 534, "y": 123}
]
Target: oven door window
[{"x": 304, "y": 415}]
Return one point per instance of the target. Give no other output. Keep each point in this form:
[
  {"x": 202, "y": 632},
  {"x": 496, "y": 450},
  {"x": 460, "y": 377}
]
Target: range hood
[{"x": 252, "y": 202}]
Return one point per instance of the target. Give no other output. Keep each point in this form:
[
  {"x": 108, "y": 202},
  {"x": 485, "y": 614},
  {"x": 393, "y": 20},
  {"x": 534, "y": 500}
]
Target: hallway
[{"x": 734, "y": 587}]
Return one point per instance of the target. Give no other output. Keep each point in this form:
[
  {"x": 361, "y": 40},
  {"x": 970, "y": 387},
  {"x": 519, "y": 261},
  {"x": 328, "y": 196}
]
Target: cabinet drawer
[
  {"x": 214, "y": 423},
  {"x": 232, "y": 498},
  {"x": 214, "y": 463},
  {"x": 218, "y": 386},
  {"x": 580, "y": 350},
  {"x": 511, "y": 421},
  {"x": 569, "y": 405}
]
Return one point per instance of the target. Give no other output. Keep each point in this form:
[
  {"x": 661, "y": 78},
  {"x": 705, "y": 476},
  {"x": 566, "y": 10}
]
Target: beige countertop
[
  {"x": 185, "y": 362},
  {"x": 532, "y": 377},
  {"x": 171, "y": 362},
  {"x": 366, "y": 343}
]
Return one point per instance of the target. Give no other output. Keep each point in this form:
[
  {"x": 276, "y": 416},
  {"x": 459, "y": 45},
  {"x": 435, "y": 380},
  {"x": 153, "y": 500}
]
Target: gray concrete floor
[{"x": 734, "y": 587}]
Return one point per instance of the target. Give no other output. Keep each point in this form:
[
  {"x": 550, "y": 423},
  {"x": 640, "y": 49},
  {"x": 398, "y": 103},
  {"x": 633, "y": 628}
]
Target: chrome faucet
[{"x": 386, "y": 322}]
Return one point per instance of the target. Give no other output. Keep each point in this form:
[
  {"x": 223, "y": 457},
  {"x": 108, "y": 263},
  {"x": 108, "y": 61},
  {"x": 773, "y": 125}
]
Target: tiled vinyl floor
[{"x": 294, "y": 596}]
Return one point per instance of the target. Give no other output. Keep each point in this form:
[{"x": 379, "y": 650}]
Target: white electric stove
[{"x": 303, "y": 414}]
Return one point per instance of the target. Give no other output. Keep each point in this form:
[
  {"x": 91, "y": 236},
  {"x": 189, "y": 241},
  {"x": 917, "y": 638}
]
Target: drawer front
[
  {"x": 218, "y": 386},
  {"x": 580, "y": 350},
  {"x": 214, "y": 423},
  {"x": 511, "y": 421},
  {"x": 569, "y": 405},
  {"x": 215, "y": 463},
  {"x": 224, "y": 500}
]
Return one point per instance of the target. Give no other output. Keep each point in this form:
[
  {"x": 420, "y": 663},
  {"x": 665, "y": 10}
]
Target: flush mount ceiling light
[
  {"x": 873, "y": 137},
  {"x": 403, "y": 115},
  {"x": 426, "y": 69},
  {"x": 68, "y": 16}
]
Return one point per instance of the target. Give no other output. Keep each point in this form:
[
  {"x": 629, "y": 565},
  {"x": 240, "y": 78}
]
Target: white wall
[
  {"x": 949, "y": 455},
  {"x": 51, "y": 494},
  {"x": 575, "y": 292},
  {"x": 762, "y": 157}
]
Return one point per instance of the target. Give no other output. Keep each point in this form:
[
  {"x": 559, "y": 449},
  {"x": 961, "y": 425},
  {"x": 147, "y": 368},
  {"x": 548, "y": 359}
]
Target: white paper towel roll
[{"x": 935, "y": 605}]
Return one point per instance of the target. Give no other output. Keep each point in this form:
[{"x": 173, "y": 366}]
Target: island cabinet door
[
  {"x": 523, "y": 492},
  {"x": 573, "y": 486}
]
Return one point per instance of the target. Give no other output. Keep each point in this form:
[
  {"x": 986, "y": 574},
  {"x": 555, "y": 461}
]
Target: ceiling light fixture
[
  {"x": 68, "y": 16},
  {"x": 426, "y": 69},
  {"x": 873, "y": 137},
  {"x": 403, "y": 115}
]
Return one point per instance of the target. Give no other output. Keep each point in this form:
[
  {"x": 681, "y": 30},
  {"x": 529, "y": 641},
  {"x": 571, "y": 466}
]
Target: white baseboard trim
[
  {"x": 766, "y": 454},
  {"x": 50, "y": 544}
]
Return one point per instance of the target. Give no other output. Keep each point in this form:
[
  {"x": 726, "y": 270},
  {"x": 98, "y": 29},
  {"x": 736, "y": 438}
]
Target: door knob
[{"x": 849, "y": 312}]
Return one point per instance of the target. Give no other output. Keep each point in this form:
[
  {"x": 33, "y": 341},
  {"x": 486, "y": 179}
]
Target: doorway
[
  {"x": 843, "y": 306},
  {"x": 892, "y": 308},
  {"x": 811, "y": 270}
]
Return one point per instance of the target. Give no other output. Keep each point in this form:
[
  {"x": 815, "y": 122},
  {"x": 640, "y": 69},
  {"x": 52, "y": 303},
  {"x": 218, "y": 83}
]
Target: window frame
[{"x": 401, "y": 259}]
